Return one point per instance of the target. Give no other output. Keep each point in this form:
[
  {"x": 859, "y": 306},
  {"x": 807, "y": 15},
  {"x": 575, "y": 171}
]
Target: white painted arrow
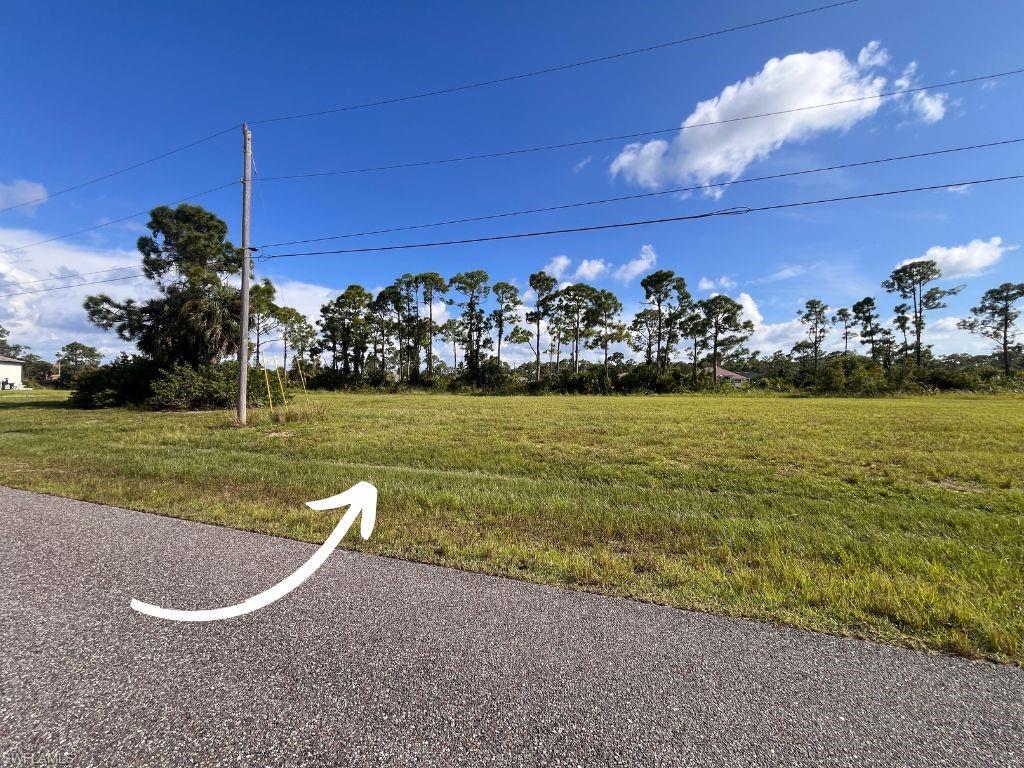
[{"x": 361, "y": 497}]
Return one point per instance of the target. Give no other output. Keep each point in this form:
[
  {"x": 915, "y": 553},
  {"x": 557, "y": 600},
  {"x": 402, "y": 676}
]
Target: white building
[{"x": 10, "y": 372}]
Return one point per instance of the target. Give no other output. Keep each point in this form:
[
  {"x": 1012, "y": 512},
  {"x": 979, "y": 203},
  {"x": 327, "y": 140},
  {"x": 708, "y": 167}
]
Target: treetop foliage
[{"x": 361, "y": 339}]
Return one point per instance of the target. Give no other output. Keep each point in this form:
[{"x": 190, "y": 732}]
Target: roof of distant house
[
  {"x": 722, "y": 373},
  {"x": 6, "y": 359}
]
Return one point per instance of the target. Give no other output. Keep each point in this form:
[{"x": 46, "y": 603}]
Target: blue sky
[{"x": 94, "y": 87}]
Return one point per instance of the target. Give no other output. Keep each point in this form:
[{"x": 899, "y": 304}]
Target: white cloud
[
  {"x": 929, "y": 106},
  {"x": 709, "y": 284},
  {"x": 558, "y": 266},
  {"x": 591, "y": 269},
  {"x": 440, "y": 309},
  {"x": 872, "y": 55},
  {"x": 46, "y": 321},
  {"x": 750, "y": 310},
  {"x": 20, "y": 191},
  {"x": 637, "y": 266},
  {"x": 305, "y": 297},
  {"x": 768, "y": 337},
  {"x": 784, "y": 273},
  {"x": 965, "y": 260},
  {"x": 582, "y": 164},
  {"x": 716, "y": 146},
  {"x": 944, "y": 336},
  {"x": 722, "y": 152}
]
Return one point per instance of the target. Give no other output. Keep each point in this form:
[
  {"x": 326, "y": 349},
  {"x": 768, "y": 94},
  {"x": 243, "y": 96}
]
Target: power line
[
  {"x": 66, "y": 287},
  {"x": 736, "y": 211},
  {"x": 625, "y": 224},
  {"x": 72, "y": 277},
  {"x": 506, "y": 153},
  {"x": 637, "y": 135},
  {"x": 112, "y": 174},
  {"x": 551, "y": 70},
  {"x": 65, "y": 277},
  {"x": 644, "y": 195},
  {"x": 116, "y": 221},
  {"x": 426, "y": 94}
]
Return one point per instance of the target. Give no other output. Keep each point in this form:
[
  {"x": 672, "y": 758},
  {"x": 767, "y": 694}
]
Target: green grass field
[{"x": 893, "y": 519}]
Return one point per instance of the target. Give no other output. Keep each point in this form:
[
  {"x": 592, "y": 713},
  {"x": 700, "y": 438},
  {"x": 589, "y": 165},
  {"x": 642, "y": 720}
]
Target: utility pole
[{"x": 243, "y": 340}]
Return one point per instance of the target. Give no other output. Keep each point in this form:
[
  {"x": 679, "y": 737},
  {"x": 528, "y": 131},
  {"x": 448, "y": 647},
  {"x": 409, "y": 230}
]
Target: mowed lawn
[{"x": 896, "y": 519}]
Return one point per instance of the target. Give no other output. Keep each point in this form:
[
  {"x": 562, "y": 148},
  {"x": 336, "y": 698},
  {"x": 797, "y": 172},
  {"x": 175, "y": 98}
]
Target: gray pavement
[{"x": 382, "y": 662}]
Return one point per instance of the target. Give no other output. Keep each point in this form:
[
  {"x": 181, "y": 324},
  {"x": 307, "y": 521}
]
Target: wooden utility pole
[{"x": 243, "y": 339}]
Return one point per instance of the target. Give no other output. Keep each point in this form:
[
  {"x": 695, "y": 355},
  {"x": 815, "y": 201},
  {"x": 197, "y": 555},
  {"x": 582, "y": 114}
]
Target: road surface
[{"x": 382, "y": 662}]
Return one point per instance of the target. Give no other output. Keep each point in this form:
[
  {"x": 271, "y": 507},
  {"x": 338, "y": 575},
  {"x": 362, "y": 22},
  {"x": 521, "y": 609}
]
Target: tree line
[
  {"x": 391, "y": 337},
  {"x": 578, "y": 337},
  {"x": 362, "y": 339}
]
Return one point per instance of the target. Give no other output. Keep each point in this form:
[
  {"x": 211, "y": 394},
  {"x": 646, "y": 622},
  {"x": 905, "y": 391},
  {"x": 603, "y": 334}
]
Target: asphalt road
[{"x": 382, "y": 662}]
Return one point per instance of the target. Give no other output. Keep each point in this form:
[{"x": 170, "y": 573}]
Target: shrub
[
  {"x": 586, "y": 382},
  {"x": 125, "y": 381},
  {"x": 497, "y": 378},
  {"x": 949, "y": 379},
  {"x": 328, "y": 378},
  {"x": 645, "y": 378},
  {"x": 137, "y": 381},
  {"x": 772, "y": 384},
  {"x": 183, "y": 388},
  {"x": 866, "y": 379},
  {"x": 901, "y": 378},
  {"x": 534, "y": 387},
  {"x": 831, "y": 379}
]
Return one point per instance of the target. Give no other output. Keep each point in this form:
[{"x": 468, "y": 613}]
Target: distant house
[
  {"x": 10, "y": 372},
  {"x": 736, "y": 379}
]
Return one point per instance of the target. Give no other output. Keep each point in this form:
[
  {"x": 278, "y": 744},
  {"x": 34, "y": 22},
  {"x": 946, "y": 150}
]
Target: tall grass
[{"x": 897, "y": 519}]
